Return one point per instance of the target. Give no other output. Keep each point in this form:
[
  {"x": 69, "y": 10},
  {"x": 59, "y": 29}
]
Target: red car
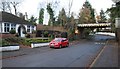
[{"x": 59, "y": 43}]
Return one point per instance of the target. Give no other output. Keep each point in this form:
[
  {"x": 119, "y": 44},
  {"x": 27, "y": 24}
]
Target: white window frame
[
  {"x": 6, "y": 27},
  {"x": 13, "y": 26},
  {"x": 28, "y": 28}
]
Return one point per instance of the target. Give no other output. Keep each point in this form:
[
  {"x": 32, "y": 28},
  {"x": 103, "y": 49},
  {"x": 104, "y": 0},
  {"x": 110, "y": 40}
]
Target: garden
[{"x": 22, "y": 41}]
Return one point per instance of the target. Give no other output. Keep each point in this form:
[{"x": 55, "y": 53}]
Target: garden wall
[
  {"x": 53, "y": 28},
  {"x": 6, "y": 35}
]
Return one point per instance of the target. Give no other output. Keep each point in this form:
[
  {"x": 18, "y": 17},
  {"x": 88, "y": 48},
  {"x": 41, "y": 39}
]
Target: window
[
  {"x": 32, "y": 28},
  {"x": 6, "y": 27},
  {"x": 28, "y": 28},
  {"x": 13, "y": 26}
]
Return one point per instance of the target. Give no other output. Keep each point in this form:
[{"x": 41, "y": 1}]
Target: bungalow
[{"x": 10, "y": 22}]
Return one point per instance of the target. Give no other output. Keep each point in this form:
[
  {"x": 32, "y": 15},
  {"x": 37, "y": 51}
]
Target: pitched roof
[{"x": 8, "y": 17}]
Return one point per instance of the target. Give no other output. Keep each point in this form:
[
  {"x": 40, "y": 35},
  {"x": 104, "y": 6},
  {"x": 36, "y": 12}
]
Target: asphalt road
[{"x": 80, "y": 54}]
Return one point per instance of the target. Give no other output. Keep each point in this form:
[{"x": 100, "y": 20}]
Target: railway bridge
[{"x": 81, "y": 27}]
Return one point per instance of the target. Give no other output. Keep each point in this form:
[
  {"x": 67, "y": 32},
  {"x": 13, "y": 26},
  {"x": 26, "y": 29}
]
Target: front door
[
  {"x": 21, "y": 28},
  {"x": 21, "y": 33}
]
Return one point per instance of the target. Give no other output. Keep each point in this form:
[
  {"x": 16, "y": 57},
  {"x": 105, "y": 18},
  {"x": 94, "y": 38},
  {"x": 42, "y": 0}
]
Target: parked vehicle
[{"x": 59, "y": 43}]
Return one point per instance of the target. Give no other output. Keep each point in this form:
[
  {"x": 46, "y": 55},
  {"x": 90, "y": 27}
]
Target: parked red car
[{"x": 59, "y": 43}]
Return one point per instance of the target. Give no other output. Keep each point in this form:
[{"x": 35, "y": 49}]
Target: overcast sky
[{"x": 32, "y": 7}]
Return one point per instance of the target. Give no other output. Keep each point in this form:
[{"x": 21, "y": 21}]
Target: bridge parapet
[{"x": 95, "y": 25}]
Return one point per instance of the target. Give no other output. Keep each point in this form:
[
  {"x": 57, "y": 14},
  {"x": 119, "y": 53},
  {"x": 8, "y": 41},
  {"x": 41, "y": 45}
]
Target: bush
[
  {"x": 46, "y": 34},
  {"x": 33, "y": 32},
  {"x": 32, "y": 40},
  {"x": 17, "y": 35},
  {"x": 24, "y": 32},
  {"x": 5, "y": 42},
  {"x": 28, "y": 35},
  {"x": 14, "y": 40},
  {"x": 12, "y": 31},
  {"x": 22, "y": 41},
  {"x": 64, "y": 34}
]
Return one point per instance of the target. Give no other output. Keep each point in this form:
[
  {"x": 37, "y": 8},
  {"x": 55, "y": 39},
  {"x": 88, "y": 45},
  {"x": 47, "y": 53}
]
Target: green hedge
[
  {"x": 21, "y": 41},
  {"x": 33, "y": 40}
]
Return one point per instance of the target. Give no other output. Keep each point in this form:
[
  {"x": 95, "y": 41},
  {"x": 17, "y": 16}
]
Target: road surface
[{"x": 81, "y": 54}]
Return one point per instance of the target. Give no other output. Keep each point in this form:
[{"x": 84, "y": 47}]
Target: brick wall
[{"x": 6, "y": 35}]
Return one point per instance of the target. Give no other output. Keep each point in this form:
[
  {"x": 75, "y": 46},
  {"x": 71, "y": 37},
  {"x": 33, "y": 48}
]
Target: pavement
[
  {"x": 108, "y": 58},
  {"x": 106, "y": 33}
]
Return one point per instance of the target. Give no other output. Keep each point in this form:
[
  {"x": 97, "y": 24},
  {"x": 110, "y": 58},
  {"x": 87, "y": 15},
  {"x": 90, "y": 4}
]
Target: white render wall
[{"x": 17, "y": 26}]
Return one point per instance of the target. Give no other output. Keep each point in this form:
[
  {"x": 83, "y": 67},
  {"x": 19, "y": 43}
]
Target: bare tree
[
  {"x": 68, "y": 24},
  {"x": 70, "y": 6},
  {"x": 14, "y": 4},
  {"x": 5, "y": 6},
  {"x": 9, "y": 7}
]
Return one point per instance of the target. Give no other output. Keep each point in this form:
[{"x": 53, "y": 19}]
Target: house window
[
  {"x": 13, "y": 26},
  {"x": 6, "y": 27},
  {"x": 28, "y": 28},
  {"x": 32, "y": 28}
]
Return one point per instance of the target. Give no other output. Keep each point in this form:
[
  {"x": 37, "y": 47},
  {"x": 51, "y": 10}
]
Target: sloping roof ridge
[
  {"x": 11, "y": 14},
  {"x": 6, "y": 15}
]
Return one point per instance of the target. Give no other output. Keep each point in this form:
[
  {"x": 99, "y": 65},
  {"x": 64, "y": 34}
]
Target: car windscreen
[{"x": 57, "y": 39}]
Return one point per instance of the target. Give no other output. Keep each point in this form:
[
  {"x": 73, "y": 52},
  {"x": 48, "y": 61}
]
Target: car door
[{"x": 63, "y": 42}]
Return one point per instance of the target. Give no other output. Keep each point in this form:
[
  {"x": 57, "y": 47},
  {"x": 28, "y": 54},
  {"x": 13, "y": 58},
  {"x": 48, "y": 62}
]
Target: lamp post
[{"x": 117, "y": 22}]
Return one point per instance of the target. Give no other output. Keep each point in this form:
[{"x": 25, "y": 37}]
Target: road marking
[
  {"x": 98, "y": 56},
  {"x": 99, "y": 43}
]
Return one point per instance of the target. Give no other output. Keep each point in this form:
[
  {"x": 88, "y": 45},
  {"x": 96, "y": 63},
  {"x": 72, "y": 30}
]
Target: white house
[{"x": 9, "y": 22}]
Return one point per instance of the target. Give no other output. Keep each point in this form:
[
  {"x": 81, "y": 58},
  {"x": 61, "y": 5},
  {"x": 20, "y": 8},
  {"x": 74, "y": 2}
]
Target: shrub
[
  {"x": 24, "y": 32},
  {"x": 12, "y": 31},
  {"x": 5, "y": 42},
  {"x": 17, "y": 35},
  {"x": 28, "y": 35},
  {"x": 46, "y": 34},
  {"x": 33, "y": 32},
  {"x": 22, "y": 41},
  {"x": 33, "y": 40}
]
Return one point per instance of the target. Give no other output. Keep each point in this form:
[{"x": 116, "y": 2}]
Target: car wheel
[
  {"x": 60, "y": 46},
  {"x": 67, "y": 45}
]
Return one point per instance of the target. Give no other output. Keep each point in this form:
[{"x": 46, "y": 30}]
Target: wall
[
  {"x": 53, "y": 28},
  {"x": 5, "y": 35}
]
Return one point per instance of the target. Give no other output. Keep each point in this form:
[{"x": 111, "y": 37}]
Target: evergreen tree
[
  {"x": 102, "y": 16},
  {"x": 41, "y": 16},
  {"x": 51, "y": 13},
  {"x": 32, "y": 20},
  {"x": 62, "y": 18},
  {"x": 87, "y": 13},
  {"x": 114, "y": 12}
]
